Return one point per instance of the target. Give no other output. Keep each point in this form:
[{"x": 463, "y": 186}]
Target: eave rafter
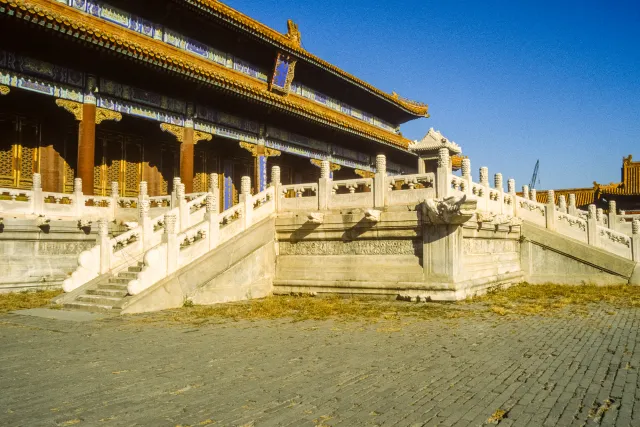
[{"x": 89, "y": 29}]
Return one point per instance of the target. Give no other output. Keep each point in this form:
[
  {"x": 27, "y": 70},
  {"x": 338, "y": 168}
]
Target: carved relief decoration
[
  {"x": 4, "y": 90},
  {"x": 201, "y": 136},
  {"x": 616, "y": 237},
  {"x": 259, "y": 150},
  {"x": 175, "y": 130},
  {"x": 573, "y": 221},
  {"x": 332, "y": 166},
  {"x": 356, "y": 247},
  {"x": 73, "y": 107},
  {"x": 364, "y": 174},
  {"x": 103, "y": 114}
]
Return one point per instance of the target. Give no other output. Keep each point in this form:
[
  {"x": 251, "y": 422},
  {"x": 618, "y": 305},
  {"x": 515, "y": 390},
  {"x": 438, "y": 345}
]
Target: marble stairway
[{"x": 107, "y": 295}]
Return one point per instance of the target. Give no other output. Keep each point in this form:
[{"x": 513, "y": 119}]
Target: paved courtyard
[{"x": 535, "y": 371}]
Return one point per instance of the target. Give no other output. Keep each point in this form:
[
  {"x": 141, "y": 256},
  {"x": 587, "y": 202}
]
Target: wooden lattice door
[{"x": 19, "y": 151}]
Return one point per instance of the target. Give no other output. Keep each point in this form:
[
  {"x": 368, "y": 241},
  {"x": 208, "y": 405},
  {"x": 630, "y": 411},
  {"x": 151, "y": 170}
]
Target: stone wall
[
  {"x": 399, "y": 255},
  {"x": 348, "y": 253},
  {"x": 33, "y": 256},
  {"x": 548, "y": 257}
]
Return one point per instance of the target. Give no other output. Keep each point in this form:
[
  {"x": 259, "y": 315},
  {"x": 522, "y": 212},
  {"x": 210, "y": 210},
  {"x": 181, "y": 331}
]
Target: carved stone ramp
[
  {"x": 239, "y": 269},
  {"x": 548, "y": 256}
]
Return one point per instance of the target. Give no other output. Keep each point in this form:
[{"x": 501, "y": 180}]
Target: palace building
[{"x": 128, "y": 91}]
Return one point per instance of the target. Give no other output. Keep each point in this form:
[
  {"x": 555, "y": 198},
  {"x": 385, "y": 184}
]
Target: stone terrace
[{"x": 123, "y": 372}]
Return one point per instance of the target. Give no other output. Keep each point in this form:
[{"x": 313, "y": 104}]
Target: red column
[
  {"x": 186, "y": 160},
  {"x": 87, "y": 147}
]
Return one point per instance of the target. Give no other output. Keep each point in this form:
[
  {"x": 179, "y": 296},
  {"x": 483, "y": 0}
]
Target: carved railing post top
[
  {"x": 77, "y": 185},
  {"x": 103, "y": 227},
  {"x": 635, "y": 227},
  {"x": 245, "y": 185},
  {"x": 115, "y": 189},
  {"x": 213, "y": 181},
  {"x": 212, "y": 202},
  {"x": 170, "y": 224},
  {"x": 275, "y": 175},
  {"x": 37, "y": 181}
]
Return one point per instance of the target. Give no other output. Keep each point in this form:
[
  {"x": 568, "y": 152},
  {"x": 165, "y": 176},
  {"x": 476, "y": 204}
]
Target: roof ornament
[{"x": 293, "y": 33}]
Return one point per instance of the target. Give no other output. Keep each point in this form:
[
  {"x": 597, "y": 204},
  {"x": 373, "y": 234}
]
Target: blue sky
[{"x": 510, "y": 81}]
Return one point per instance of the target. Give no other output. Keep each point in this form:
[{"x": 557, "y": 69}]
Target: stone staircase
[{"x": 107, "y": 295}]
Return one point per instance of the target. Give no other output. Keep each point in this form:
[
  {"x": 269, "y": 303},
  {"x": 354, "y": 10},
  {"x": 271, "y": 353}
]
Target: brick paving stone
[{"x": 542, "y": 371}]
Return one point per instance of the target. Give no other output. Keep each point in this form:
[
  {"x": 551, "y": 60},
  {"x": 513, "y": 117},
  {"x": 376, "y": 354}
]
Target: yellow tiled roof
[{"x": 291, "y": 42}]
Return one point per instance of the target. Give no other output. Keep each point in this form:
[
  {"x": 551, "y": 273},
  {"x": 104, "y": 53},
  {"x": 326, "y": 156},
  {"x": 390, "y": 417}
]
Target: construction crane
[{"x": 534, "y": 178}]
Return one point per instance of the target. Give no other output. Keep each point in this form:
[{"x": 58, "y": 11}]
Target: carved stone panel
[{"x": 357, "y": 247}]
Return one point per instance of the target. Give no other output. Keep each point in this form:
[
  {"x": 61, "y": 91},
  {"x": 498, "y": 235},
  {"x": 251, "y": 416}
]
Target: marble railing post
[
  {"x": 499, "y": 185},
  {"x": 277, "y": 186},
  {"x": 635, "y": 240},
  {"x": 213, "y": 218},
  {"x": 78, "y": 196},
  {"x": 466, "y": 175},
  {"x": 562, "y": 204},
  {"x": 550, "y": 210},
  {"x": 115, "y": 195},
  {"x": 511, "y": 188},
  {"x": 38, "y": 199},
  {"x": 572, "y": 210},
  {"x": 484, "y": 176},
  {"x": 613, "y": 215},
  {"x": 443, "y": 174},
  {"x": 170, "y": 238},
  {"x": 534, "y": 195},
  {"x": 325, "y": 185},
  {"x": 143, "y": 191},
  {"x": 246, "y": 200},
  {"x": 600, "y": 216},
  {"x": 592, "y": 226},
  {"x": 183, "y": 209},
  {"x": 145, "y": 222},
  {"x": 213, "y": 186},
  {"x": 380, "y": 182},
  {"x": 174, "y": 200},
  {"x": 103, "y": 241},
  {"x": 525, "y": 192}
]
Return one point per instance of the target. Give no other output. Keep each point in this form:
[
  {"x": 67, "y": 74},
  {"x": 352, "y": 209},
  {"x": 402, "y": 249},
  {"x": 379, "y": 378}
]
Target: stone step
[
  {"x": 98, "y": 299},
  {"x": 127, "y": 275},
  {"x": 113, "y": 286},
  {"x": 119, "y": 293},
  {"x": 119, "y": 280},
  {"x": 85, "y": 306}
]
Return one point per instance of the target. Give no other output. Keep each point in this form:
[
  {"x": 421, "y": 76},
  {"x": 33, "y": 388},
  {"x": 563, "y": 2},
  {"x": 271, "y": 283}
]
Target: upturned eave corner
[{"x": 291, "y": 42}]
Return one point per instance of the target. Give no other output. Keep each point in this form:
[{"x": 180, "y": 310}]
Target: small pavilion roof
[{"x": 432, "y": 142}]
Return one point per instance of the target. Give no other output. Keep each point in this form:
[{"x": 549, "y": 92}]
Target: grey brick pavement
[{"x": 569, "y": 371}]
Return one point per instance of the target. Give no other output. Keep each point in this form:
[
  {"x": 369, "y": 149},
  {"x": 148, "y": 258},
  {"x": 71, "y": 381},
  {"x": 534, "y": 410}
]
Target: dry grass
[
  {"x": 26, "y": 299},
  {"x": 497, "y": 416},
  {"x": 304, "y": 307},
  {"x": 519, "y": 300},
  {"x": 547, "y": 299}
]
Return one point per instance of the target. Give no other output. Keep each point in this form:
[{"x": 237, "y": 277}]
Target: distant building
[{"x": 625, "y": 193}]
